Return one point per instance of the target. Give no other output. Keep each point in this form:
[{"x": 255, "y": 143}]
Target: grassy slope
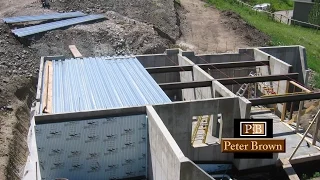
[
  {"x": 277, "y": 4},
  {"x": 281, "y": 34}
]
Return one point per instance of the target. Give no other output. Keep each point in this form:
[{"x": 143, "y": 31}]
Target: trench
[{"x": 18, "y": 146}]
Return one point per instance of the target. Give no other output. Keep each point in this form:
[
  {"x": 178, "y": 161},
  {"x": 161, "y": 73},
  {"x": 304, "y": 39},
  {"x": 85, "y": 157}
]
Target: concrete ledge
[
  {"x": 287, "y": 167},
  {"x": 78, "y": 116},
  {"x": 305, "y": 158},
  {"x": 187, "y": 53},
  {"x": 60, "y": 57},
  {"x": 172, "y": 51},
  {"x": 40, "y": 76},
  {"x": 190, "y": 171}
]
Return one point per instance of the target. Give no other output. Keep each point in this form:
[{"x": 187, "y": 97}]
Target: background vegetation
[{"x": 281, "y": 34}]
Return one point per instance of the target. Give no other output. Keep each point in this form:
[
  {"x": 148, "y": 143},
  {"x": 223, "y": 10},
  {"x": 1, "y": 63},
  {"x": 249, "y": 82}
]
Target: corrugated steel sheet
[
  {"x": 54, "y": 25},
  {"x": 19, "y": 19},
  {"x": 103, "y": 83},
  {"x": 104, "y": 148}
]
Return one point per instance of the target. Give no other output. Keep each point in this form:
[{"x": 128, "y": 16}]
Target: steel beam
[
  {"x": 284, "y": 99},
  {"x": 254, "y": 79},
  {"x": 233, "y": 64},
  {"x": 185, "y": 85},
  {"x": 228, "y": 81},
  {"x": 165, "y": 69}
]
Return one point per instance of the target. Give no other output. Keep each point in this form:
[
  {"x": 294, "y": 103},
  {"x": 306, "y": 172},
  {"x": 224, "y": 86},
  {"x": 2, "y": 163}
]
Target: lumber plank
[
  {"x": 49, "y": 105},
  {"x": 75, "y": 52}
]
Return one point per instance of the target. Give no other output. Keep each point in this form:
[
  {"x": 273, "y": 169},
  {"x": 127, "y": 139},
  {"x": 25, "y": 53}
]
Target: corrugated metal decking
[
  {"x": 54, "y": 25},
  {"x": 103, "y": 148},
  {"x": 19, "y": 19},
  {"x": 102, "y": 83}
]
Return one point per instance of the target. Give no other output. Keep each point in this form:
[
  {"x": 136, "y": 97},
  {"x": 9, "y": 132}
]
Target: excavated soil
[
  {"x": 247, "y": 33},
  {"x": 118, "y": 35},
  {"x": 205, "y": 29},
  {"x": 160, "y": 13}
]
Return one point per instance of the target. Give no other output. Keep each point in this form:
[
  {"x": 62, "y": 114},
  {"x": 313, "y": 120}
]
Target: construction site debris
[
  {"x": 22, "y": 32},
  {"x": 161, "y": 14},
  {"x": 118, "y": 35},
  {"x": 41, "y": 17}
]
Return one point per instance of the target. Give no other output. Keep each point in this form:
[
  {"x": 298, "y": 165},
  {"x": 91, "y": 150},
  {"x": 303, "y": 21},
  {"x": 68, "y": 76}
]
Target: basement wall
[
  {"x": 276, "y": 66},
  {"x": 186, "y": 76},
  {"x": 293, "y": 55},
  {"x": 201, "y": 75},
  {"x": 165, "y": 159},
  {"x": 164, "y": 153},
  {"x": 168, "y": 58},
  {"x": 223, "y": 58},
  {"x": 177, "y": 117}
]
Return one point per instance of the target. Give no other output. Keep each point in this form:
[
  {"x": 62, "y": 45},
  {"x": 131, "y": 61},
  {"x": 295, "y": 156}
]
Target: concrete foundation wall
[
  {"x": 220, "y": 90},
  {"x": 224, "y": 73},
  {"x": 276, "y": 66},
  {"x": 177, "y": 117},
  {"x": 169, "y": 58},
  {"x": 190, "y": 171},
  {"x": 165, "y": 159},
  {"x": 293, "y": 55},
  {"x": 220, "y": 58},
  {"x": 186, "y": 76},
  {"x": 164, "y": 153},
  {"x": 201, "y": 75},
  {"x": 242, "y": 164}
]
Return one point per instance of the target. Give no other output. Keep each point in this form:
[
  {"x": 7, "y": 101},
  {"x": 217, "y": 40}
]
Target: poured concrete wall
[
  {"x": 293, "y": 55},
  {"x": 178, "y": 119},
  {"x": 223, "y": 58},
  {"x": 220, "y": 90},
  {"x": 276, "y": 66},
  {"x": 164, "y": 153},
  {"x": 201, "y": 75},
  {"x": 186, "y": 76},
  {"x": 190, "y": 171},
  {"x": 220, "y": 58},
  {"x": 168, "y": 58},
  {"x": 242, "y": 164},
  {"x": 165, "y": 159}
]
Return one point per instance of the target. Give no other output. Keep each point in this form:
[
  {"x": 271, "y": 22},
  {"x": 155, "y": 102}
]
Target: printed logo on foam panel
[{"x": 106, "y": 148}]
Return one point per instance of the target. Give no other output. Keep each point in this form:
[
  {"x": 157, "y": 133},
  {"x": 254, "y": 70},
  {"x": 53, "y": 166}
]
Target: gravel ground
[
  {"x": 160, "y": 13},
  {"x": 118, "y": 35}
]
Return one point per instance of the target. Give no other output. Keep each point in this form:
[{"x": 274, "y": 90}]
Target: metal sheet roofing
[
  {"x": 102, "y": 83},
  {"x": 54, "y": 25},
  {"x": 41, "y": 17}
]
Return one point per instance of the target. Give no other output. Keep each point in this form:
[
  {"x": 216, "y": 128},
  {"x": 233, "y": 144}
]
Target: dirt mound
[
  {"x": 117, "y": 35},
  {"x": 160, "y": 13},
  {"x": 249, "y": 33},
  {"x": 16, "y": 60}
]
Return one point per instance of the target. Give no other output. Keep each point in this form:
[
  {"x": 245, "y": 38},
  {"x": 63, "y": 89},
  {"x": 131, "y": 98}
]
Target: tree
[{"x": 314, "y": 15}]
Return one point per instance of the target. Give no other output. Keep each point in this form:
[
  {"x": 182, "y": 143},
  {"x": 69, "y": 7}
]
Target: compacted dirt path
[{"x": 203, "y": 29}]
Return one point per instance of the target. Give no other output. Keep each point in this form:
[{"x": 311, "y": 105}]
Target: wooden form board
[
  {"x": 47, "y": 88},
  {"x": 75, "y": 52},
  {"x": 287, "y": 167}
]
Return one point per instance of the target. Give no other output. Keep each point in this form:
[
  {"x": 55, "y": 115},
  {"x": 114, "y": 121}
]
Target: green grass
[
  {"x": 277, "y": 4},
  {"x": 281, "y": 34}
]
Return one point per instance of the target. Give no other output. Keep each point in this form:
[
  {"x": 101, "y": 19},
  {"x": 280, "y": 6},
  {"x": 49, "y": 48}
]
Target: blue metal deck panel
[
  {"x": 19, "y": 19},
  {"x": 103, "y": 83},
  {"x": 54, "y": 25}
]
